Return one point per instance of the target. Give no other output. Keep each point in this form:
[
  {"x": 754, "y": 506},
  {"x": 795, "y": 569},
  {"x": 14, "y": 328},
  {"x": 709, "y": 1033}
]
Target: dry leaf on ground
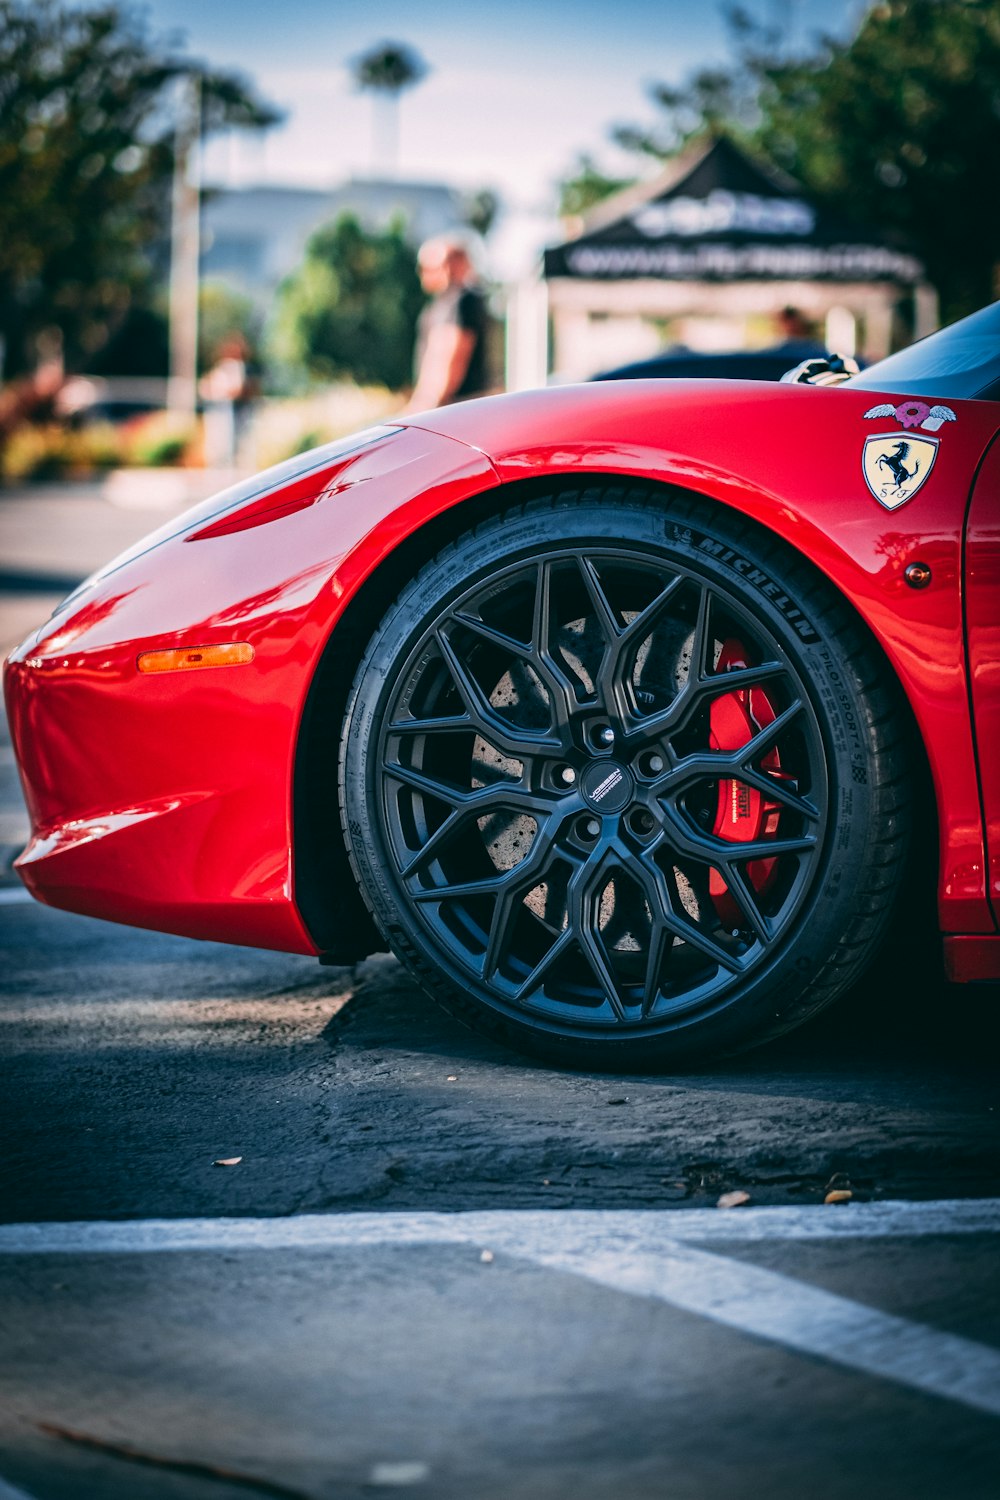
[{"x": 733, "y": 1200}]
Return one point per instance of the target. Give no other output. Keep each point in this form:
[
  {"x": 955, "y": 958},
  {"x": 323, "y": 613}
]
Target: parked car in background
[
  {"x": 679, "y": 363},
  {"x": 87, "y": 399}
]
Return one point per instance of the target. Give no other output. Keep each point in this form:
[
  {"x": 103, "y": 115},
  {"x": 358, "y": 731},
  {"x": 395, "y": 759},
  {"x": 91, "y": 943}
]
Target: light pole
[
  {"x": 385, "y": 71},
  {"x": 182, "y": 386}
]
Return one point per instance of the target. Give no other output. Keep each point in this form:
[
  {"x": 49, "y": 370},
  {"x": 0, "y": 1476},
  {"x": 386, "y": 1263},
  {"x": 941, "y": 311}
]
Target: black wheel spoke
[
  {"x": 743, "y": 894},
  {"x": 446, "y": 725},
  {"x": 498, "y": 796},
  {"x": 433, "y": 845},
  {"x": 766, "y": 738},
  {"x": 584, "y": 906},
  {"x": 699, "y": 639},
  {"x": 710, "y": 846},
  {"x": 529, "y": 869},
  {"x": 619, "y": 656},
  {"x": 505, "y": 909},
  {"x": 545, "y": 964},
  {"x": 483, "y": 716},
  {"x": 429, "y": 785},
  {"x": 603, "y": 612},
  {"x": 661, "y": 940},
  {"x": 663, "y": 721},
  {"x": 776, "y": 790},
  {"x": 491, "y": 633},
  {"x": 603, "y": 973},
  {"x": 640, "y": 627},
  {"x": 556, "y": 679},
  {"x": 682, "y": 927},
  {"x": 472, "y": 806},
  {"x": 768, "y": 848},
  {"x": 738, "y": 678}
]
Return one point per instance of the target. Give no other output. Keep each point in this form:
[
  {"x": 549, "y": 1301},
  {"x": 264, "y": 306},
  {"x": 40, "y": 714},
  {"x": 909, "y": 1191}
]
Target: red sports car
[{"x": 621, "y": 713}]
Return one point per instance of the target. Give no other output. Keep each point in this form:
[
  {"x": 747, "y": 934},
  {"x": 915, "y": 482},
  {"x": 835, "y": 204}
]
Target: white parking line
[
  {"x": 630, "y": 1229},
  {"x": 645, "y": 1253},
  {"x": 14, "y": 895},
  {"x": 792, "y": 1313}
]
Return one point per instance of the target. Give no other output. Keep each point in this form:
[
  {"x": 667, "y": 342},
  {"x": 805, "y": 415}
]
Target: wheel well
[{"x": 327, "y": 898}]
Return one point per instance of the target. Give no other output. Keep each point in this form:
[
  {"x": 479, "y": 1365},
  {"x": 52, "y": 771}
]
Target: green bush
[
  {"x": 350, "y": 311},
  {"x": 54, "y": 452},
  {"x": 162, "y": 439}
]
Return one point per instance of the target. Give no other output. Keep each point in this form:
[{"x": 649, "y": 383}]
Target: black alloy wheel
[{"x": 611, "y": 801}]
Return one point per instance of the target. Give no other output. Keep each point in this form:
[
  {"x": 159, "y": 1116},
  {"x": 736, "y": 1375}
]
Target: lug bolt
[
  {"x": 655, "y": 765},
  {"x": 592, "y": 828},
  {"x": 606, "y": 736},
  {"x": 567, "y": 776}
]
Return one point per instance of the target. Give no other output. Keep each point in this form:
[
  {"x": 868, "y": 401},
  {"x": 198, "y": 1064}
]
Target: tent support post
[
  {"x": 926, "y": 312},
  {"x": 526, "y": 353}
]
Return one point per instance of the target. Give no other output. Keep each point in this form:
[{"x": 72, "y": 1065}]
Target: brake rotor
[{"x": 743, "y": 814}]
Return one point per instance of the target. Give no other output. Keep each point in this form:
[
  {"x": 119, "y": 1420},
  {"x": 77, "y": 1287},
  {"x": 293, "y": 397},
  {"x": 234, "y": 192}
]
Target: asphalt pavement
[{"x": 433, "y": 1265}]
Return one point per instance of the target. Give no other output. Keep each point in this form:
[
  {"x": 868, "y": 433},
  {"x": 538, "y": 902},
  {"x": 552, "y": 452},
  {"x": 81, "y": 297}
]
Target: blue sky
[{"x": 515, "y": 90}]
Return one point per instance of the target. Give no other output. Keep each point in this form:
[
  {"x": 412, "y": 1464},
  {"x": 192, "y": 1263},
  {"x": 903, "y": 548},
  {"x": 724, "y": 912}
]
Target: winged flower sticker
[{"x": 914, "y": 414}]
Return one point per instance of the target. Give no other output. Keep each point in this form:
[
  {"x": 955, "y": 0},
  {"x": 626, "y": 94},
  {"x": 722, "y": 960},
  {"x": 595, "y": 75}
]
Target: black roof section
[{"x": 720, "y": 216}]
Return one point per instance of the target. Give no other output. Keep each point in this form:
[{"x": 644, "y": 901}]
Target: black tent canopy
[{"x": 727, "y": 219}]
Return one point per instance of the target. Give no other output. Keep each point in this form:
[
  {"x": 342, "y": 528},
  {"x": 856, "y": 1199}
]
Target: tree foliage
[
  {"x": 352, "y": 307},
  {"x": 898, "y": 128},
  {"x": 711, "y": 102},
  {"x": 587, "y": 186},
  {"x": 479, "y": 209},
  {"x": 901, "y": 129},
  {"x": 389, "y": 68},
  {"x": 225, "y": 314},
  {"x": 86, "y": 154}
]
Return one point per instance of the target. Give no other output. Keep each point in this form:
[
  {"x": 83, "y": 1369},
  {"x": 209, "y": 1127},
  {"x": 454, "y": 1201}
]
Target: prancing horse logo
[
  {"x": 894, "y": 462},
  {"x": 896, "y": 468}
]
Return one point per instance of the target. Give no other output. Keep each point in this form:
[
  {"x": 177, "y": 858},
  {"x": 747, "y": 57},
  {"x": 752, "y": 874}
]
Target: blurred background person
[
  {"x": 450, "y": 358},
  {"x": 793, "y": 327},
  {"x": 227, "y": 391}
]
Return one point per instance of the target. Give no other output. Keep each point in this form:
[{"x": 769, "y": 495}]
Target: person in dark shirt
[{"x": 450, "y": 360}]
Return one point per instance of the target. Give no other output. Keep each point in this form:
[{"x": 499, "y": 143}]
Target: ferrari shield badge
[{"x": 896, "y": 467}]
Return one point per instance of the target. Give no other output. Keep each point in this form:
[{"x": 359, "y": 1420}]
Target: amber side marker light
[{"x": 185, "y": 658}]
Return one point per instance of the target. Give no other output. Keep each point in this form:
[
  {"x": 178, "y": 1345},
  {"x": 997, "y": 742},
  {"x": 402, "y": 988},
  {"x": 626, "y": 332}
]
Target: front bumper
[{"x": 165, "y": 800}]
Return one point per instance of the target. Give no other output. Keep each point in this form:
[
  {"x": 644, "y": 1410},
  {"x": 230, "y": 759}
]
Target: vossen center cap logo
[{"x": 606, "y": 787}]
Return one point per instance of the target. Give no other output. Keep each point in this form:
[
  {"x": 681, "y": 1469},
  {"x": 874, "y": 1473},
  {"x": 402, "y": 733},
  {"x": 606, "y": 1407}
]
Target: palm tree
[{"x": 385, "y": 70}]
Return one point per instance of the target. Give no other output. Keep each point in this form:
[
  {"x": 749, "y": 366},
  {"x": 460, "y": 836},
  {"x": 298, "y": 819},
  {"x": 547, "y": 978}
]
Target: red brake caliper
[{"x": 742, "y": 813}]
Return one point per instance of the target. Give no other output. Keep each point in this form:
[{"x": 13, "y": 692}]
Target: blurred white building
[{"x": 251, "y": 238}]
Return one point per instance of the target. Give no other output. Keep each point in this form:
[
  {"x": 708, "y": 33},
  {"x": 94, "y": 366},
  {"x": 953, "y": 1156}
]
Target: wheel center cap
[{"x": 606, "y": 786}]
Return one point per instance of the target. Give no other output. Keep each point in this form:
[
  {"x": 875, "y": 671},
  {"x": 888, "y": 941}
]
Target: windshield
[{"x": 963, "y": 360}]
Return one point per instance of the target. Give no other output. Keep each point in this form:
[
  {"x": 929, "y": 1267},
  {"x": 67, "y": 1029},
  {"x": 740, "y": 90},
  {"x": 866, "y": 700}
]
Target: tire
[{"x": 623, "y": 781}]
